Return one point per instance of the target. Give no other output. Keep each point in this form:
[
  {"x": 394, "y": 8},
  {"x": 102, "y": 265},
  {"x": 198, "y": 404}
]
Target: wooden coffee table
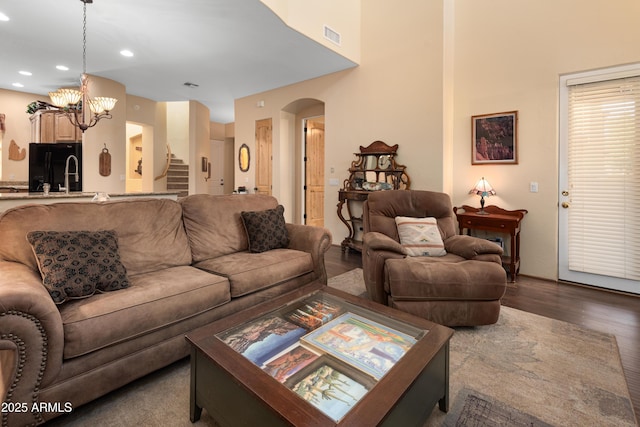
[{"x": 235, "y": 391}]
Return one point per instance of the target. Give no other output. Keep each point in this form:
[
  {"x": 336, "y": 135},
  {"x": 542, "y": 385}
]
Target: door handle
[{"x": 565, "y": 205}]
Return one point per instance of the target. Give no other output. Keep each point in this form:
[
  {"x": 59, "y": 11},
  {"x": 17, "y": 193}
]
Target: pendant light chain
[
  {"x": 84, "y": 39},
  {"x": 83, "y": 112}
]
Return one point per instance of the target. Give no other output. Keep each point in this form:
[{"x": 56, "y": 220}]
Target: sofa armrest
[
  {"x": 470, "y": 247},
  {"x": 314, "y": 240},
  {"x": 31, "y": 328},
  {"x": 377, "y": 248}
]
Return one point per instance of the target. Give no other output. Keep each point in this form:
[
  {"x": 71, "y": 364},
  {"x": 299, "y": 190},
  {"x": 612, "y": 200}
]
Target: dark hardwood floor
[{"x": 609, "y": 312}]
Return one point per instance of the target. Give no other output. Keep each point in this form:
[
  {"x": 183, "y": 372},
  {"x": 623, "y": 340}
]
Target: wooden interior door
[
  {"x": 264, "y": 156},
  {"x": 314, "y": 172}
]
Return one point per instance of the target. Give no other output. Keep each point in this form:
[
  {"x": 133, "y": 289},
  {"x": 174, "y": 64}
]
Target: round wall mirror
[{"x": 244, "y": 158}]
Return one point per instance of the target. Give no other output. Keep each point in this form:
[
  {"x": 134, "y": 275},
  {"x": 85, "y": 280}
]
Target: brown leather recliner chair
[{"x": 461, "y": 288}]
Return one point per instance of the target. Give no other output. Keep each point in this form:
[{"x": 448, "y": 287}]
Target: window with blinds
[{"x": 604, "y": 177}]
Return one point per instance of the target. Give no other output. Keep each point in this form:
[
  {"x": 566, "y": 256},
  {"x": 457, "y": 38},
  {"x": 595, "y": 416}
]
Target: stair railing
[{"x": 166, "y": 167}]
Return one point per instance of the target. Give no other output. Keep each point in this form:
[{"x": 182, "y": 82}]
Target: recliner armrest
[
  {"x": 381, "y": 242},
  {"x": 377, "y": 248},
  {"x": 470, "y": 247}
]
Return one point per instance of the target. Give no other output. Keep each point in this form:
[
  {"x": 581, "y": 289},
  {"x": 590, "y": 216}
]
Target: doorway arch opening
[{"x": 302, "y": 125}]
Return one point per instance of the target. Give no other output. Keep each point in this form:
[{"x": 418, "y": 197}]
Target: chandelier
[{"x": 73, "y": 102}]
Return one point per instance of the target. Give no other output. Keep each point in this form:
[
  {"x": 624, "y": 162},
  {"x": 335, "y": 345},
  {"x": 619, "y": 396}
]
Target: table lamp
[{"x": 483, "y": 189}]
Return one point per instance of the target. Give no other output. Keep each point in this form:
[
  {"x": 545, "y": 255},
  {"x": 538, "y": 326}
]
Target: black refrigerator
[{"x": 47, "y": 163}]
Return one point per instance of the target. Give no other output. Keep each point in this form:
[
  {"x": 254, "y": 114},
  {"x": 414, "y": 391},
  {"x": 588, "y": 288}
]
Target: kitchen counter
[
  {"x": 14, "y": 186},
  {"x": 10, "y": 200}
]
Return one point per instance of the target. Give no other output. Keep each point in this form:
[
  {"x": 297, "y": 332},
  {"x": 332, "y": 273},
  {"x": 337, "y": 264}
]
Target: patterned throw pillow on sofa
[
  {"x": 76, "y": 264},
  {"x": 420, "y": 236},
  {"x": 266, "y": 229}
]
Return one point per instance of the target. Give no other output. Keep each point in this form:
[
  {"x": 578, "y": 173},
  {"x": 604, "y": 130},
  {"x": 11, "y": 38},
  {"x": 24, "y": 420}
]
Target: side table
[
  {"x": 496, "y": 220},
  {"x": 353, "y": 223}
]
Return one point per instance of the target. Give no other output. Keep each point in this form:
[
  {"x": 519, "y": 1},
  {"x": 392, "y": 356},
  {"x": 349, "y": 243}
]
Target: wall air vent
[{"x": 331, "y": 35}]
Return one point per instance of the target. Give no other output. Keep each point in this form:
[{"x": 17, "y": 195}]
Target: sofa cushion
[
  {"x": 213, "y": 223},
  {"x": 444, "y": 278},
  {"x": 265, "y": 229},
  {"x": 76, "y": 264},
  {"x": 150, "y": 232},
  {"x": 420, "y": 236},
  {"x": 153, "y": 301},
  {"x": 249, "y": 272}
]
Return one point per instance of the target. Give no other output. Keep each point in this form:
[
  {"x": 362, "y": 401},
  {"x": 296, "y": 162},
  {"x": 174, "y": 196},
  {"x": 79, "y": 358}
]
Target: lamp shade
[
  {"x": 65, "y": 97},
  {"x": 483, "y": 188},
  {"x": 100, "y": 104}
]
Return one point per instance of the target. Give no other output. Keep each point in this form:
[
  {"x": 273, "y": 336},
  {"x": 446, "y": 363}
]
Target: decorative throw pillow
[
  {"x": 266, "y": 229},
  {"x": 420, "y": 236},
  {"x": 76, "y": 264}
]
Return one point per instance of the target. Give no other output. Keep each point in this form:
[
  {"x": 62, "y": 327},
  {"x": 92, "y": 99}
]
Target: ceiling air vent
[
  {"x": 331, "y": 35},
  {"x": 189, "y": 84}
]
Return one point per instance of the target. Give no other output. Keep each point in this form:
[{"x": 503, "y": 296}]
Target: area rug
[
  {"x": 551, "y": 371},
  {"x": 474, "y": 409},
  {"x": 528, "y": 366}
]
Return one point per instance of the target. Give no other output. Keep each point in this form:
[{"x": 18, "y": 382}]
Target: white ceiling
[{"x": 230, "y": 48}]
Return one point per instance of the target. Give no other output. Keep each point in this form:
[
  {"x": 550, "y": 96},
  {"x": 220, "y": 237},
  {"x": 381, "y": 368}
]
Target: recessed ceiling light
[
  {"x": 62, "y": 67},
  {"x": 25, "y": 73},
  {"x": 3, "y": 17},
  {"x": 17, "y": 84},
  {"x": 126, "y": 52}
]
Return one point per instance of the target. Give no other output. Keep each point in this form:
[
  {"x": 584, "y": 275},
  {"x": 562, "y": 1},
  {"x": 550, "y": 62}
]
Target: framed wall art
[{"x": 494, "y": 138}]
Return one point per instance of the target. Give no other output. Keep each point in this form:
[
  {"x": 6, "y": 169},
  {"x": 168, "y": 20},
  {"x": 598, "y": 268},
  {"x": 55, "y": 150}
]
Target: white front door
[{"x": 599, "y": 183}]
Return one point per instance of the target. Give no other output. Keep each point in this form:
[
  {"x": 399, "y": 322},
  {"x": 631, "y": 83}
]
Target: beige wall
[
  {"x": 199, "y": 146},
  {"x": 395, "y": 95},
  {"x": 152, "y": 116},
  {"x": 509, "y": 56},
  {"x": 310, "y": 16},
  {"x": 111, "y": 133},
  {"x": 217, "y": 131},
  {"x": 14, "y": 106},
  {"x": 435, "y": 65},
  {"x": 178, "y": 129}
]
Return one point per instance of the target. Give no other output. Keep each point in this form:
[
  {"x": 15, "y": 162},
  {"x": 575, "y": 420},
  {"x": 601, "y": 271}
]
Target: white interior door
[
  {"x": 219, "y": 165},
  {"x": 599, "y": 184}
]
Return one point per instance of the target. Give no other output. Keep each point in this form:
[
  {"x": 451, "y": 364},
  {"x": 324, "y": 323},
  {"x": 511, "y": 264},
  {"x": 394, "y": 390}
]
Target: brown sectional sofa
[{"x": 187, "y": 263}]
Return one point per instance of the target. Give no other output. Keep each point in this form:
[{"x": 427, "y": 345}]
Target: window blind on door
[{"x": 604, "y": 177}]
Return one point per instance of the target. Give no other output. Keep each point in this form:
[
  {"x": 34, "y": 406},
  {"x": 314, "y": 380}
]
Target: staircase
[{"x": 178, "y": 176}]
